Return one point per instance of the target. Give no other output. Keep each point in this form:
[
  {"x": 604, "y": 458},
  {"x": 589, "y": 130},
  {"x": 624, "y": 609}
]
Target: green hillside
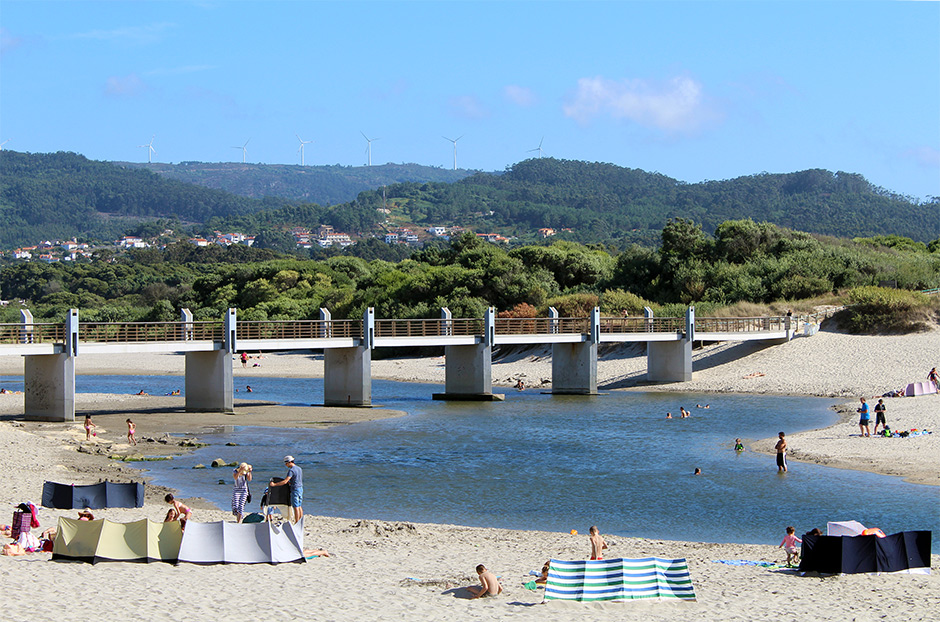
[
  {"x": 601, "y": 202},
  {"x": 60, "y": 195},
  {"x": 324, "y": 185}
]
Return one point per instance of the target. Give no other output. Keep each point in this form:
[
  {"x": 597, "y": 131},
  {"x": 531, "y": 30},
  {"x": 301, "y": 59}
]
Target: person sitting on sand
[
  {"x": 489, "y": 584},
  {"x": 542, "y": 579},
  {"x": 90, "y": 428},
  {"x": 738, "y": 445},
  {"x": 177, "y": 511},
  {"x": 597, "y": 543}
]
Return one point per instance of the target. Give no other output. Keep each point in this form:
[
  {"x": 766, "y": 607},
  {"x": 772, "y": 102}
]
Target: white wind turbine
[
  {"x": 3, "y": 143},
  {"x": 150, "y": 149},
  {"x": 244, "y": 149},
  {"x": 539, "y": 148},
  {"x": 301, "y": 150},
  {"x": 369, "y": 148},
  {"x": 454, "y": 140}
]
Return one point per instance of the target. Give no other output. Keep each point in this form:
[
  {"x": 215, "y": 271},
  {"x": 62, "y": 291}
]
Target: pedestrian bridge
[{"x": 50, "y": 349}]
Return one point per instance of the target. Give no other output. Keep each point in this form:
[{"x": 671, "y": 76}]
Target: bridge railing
[
  {"x": 542, "y": 325},
  {"x": 137, "y": 332},
  {"x": 739, "y": 324},
  {"x": 642, "y": 325},
  {"x": 32, "y": 333},
  {"x": 461, "y": 327},
  {"x": 299, "y": 329}
]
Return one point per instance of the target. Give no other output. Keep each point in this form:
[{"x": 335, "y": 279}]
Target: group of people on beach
[
  {"x": 864, "y": 418},
  {"x": 91, "y": 430},
  {"x": 489, "y": 582}
]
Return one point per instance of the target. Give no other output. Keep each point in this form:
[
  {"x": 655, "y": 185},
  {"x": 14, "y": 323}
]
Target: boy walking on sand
[
  {"x": 597, "y": 543},
  {"x": 489, "y": 584}
]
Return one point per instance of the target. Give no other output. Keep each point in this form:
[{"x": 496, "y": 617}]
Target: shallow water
[{"x": 555, "y": 463}]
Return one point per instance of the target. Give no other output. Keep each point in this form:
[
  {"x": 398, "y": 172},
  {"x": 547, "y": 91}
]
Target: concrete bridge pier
[
  {"x": 671, "y": 361},
  {"x": 347, "y": 372},
  {"x": 574, "y": 365},
  {"x": 468, "y": 370},
  {"x": 49, "y": 379},
  {"x": 209, "y": 380}
]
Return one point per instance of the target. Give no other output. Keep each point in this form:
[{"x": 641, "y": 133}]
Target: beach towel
[{"x": 619, "y": 580}]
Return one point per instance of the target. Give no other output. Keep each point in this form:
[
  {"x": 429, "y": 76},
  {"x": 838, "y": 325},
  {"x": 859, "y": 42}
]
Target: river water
[{"x": 556, "y": 463}]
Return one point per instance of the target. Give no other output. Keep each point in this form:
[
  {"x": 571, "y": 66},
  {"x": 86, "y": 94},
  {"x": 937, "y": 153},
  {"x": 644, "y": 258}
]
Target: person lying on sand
[{"x": 489, "y": 584}]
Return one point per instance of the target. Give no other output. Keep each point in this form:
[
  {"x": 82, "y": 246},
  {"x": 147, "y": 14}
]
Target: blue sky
[{"x": 693, "y": 90}]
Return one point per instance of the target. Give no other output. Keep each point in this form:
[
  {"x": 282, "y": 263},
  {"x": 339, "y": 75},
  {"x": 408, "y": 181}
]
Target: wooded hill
[
  {"x": 323, "y": 185},
  {"x": 602, "y": 202},
  {"x": 61, "y": 195}
]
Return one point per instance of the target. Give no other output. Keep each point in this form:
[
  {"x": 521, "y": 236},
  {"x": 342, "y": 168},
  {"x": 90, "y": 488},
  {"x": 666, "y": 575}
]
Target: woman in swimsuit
[{"x": 131, "y": 429}]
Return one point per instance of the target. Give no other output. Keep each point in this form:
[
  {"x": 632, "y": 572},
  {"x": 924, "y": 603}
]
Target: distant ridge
[{"x": 324, "y": 185}]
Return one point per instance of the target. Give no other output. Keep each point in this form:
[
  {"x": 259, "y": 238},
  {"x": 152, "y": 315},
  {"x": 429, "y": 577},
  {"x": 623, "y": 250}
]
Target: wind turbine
[
  {"x": 454, "y": 140},
  {"x": 369, "y": 148},
  {"x": 3, "y": 143},
  {"x": 150, "y": 149},
  {"x": 301, "y": 150},
  {"x": 539, "y": 148},
  {"x": 244, "y": 150}
]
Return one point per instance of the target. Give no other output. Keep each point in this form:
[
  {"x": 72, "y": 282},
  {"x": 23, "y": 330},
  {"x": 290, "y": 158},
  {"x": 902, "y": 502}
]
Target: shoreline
[{"x": 381, "y": 570}]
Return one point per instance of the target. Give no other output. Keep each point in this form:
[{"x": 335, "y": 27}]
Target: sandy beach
[{"x": 410, "y": 571}]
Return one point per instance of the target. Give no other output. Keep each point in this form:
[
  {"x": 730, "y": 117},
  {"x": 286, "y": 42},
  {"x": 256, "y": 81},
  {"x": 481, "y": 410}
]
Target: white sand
[{"x": 369, "y": 576}]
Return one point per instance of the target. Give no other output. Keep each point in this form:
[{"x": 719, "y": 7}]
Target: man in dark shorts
[
  {"x": 880, "y": 416},
  {"x": 781, "y": 448}
]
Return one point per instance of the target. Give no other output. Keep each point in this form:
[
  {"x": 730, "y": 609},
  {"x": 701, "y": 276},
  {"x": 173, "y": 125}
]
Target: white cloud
[
  {"x": 175, "y": 71},
  {"x": 468, "y": 107},
  {"x": 674, "y": 105},
  {"x": 150, "y": 33},
  {"x": 8, "y": 41},
  {"x": 928, "y": 157},
  {"x": 519, "y": 95},
  {"x": 124, "y": 86}
]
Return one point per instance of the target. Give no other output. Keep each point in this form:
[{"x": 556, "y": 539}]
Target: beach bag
[
  {"x": 248, "y": 498},
  {"x": 21, "y": 523}
]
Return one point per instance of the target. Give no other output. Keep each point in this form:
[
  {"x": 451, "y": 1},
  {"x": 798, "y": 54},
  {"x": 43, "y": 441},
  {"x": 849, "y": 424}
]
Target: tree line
[{"x": 742, "y": 262}]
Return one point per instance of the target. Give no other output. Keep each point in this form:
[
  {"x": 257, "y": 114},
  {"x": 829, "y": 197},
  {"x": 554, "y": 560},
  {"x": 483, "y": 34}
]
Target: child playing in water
[
  {"x": 90, "y": 428},
  {"x": 131, "y": 428},
  {"x": 597, "y": 544},
  {"x": 789, "y": 543},
  {"x": 738, "y": 445}
]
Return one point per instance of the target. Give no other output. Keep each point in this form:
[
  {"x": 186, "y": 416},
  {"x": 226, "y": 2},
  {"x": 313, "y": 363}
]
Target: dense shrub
[{"x": 885, "y": 310}]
